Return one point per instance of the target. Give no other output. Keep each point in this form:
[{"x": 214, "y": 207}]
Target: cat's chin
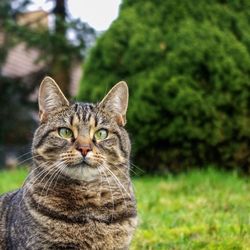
[{"x": 82, "y": 172}]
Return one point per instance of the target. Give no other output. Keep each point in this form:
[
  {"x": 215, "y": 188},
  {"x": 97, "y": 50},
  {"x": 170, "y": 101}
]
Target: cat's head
[{"x": 81, "y": 140}]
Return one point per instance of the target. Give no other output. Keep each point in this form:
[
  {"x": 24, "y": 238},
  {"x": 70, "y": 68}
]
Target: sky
[{"x": 99, "y": 14}]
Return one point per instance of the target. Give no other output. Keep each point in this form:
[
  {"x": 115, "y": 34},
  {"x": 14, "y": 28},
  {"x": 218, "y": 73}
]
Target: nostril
[{"x": 84, "y": 150}]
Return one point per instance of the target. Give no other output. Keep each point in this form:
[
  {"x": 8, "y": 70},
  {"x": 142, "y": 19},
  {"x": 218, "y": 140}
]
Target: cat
[{"x": 78, "y": 194}]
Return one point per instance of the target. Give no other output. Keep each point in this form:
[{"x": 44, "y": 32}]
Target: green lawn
[
  {"x": 199, "y": 210},
  {"x": 10, "y": 180}
]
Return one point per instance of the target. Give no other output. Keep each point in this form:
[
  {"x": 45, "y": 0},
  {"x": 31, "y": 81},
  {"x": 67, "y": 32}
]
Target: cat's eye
[
  {"x": 65, "y": 133},
  {"x": 101, "y": 134}
]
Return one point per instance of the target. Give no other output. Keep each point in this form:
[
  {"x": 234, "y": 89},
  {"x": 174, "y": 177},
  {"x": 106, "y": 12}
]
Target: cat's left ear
[
  {"x": 116, "y": 101},
  {"x": 50, "y": 98}
]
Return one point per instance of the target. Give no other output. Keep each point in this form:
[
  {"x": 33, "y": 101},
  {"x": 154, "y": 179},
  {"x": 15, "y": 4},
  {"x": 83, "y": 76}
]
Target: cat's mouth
[
  {"x": 83, "y": 170},
  {"x": 83, "y": 163}
]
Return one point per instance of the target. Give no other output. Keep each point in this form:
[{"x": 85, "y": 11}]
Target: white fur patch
[{"x": 83, "y": 173}]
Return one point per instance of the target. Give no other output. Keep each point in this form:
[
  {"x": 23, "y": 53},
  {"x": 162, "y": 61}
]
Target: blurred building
[{"x": 23, "y": 62}]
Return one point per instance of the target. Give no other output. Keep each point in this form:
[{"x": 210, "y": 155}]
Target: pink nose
[{"x": 84, "y": 149}]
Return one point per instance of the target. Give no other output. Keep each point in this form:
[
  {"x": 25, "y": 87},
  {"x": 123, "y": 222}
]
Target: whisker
[
  {"x": 29, "y": 174},
  {"x": 136, "y": 167},
  {"x": 62, "y": 169},
  {"x": 28, "y": 186},
  {"x": 110, "y": 193},
  {"x": 130, "y": 168},
  {"x": 56, "y": 174},
  {"x": 55, "y": 168},
  {"x": 30, "y": 158},
  {"x": 100, "y": 173},
  {"x": 119, "y": 185},
  {"x": 118, "y": 181},
  {"x": 21, "y": 156},
  {"x": 127, "y": 177}
]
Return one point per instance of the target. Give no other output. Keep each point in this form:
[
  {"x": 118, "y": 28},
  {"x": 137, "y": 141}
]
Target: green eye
[
  {"x": 65, "y": 133},
  {"x": 101, "y": 134}
]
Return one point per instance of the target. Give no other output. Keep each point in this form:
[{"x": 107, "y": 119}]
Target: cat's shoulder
[{"x": 7, "y": 198}]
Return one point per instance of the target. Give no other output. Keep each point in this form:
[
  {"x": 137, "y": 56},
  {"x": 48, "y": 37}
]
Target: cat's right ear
[{"x": 50, "y": 98}]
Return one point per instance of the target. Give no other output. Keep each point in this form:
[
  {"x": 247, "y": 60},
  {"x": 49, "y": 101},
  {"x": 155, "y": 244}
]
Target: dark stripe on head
[
  {"x": 53, "y": 149},
  {"x": 71, "y": 120},
  {"x": 76, "y": 107},
  {"x": 86, "y": 109},
  {"x": 120, "y": 144},
  {"x": 91, "y": 106},
  {"x": 96, "y": 120},
  {"x": 42, "y": 139},
  {"x": 111, "y": 152}
]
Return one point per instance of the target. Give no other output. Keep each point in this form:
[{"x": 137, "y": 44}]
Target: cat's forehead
[
  {"x": 83, "y": 108},
  {"x": 86, "y": 112},
  {"x": 81, "y": 114}
]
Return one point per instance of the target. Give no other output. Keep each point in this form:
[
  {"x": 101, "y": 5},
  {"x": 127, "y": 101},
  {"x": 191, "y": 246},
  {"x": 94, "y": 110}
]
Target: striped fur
[{"x": 68, "y": 201}]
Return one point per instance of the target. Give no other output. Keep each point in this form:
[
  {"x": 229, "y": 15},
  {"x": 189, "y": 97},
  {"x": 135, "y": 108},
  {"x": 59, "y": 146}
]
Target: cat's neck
[{"x": 68, "y": 198}]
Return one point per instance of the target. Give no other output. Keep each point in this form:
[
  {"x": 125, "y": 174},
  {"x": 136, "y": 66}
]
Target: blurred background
[
  {"x": 187, "y": 64},
  {"x": 39, "y": 38}
]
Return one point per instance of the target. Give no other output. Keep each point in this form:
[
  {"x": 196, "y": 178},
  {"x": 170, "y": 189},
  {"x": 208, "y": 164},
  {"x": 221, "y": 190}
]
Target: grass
[
  {"x": 11, "y": 180},
  {"x": 199, "y": 210}
]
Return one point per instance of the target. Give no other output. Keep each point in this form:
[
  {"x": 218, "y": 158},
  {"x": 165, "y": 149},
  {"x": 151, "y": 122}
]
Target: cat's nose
[{"x": 84, "y": 149}]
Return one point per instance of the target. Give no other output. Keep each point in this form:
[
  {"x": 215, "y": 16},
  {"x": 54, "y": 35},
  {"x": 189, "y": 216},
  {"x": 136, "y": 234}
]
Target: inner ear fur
[
  {"x": 50, "y": 97},
  {"x": 116, "y": 101}
]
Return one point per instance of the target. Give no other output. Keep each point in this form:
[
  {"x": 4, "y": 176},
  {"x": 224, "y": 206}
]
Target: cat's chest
[
  {"x": 90, "y": 220},
  {"x": 88, "y": 234},
  {"x": 77, "y": 204}
]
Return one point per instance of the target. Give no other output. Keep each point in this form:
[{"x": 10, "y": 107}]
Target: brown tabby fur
[{"x": 68, "y": 201}]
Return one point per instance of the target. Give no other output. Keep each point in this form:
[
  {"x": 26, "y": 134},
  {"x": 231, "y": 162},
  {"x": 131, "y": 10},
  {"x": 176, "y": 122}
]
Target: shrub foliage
[{"x": 187, "y": 64}]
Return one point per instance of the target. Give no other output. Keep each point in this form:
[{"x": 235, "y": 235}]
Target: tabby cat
[{"x": 78, "y": 194}]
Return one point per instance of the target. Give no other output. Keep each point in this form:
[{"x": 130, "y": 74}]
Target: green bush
[{"x": 187, "y": 64}]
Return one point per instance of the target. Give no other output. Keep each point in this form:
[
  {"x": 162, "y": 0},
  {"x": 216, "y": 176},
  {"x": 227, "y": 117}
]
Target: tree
[
  {"x": 57, "y": 51},
  {"x": 187, "y": 66},
  {"x": 12, "y": 91},
  {"x": 61, "y": 67}
]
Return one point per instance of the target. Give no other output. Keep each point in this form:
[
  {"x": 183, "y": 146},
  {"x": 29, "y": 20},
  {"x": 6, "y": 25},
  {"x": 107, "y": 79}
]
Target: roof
[{"x": 22, "y": 61}]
